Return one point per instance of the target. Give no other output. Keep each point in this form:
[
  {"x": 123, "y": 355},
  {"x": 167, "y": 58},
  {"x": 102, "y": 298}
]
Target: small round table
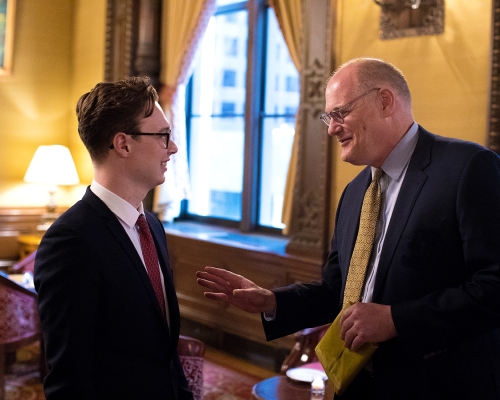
[{"x": 282, "y": 388}]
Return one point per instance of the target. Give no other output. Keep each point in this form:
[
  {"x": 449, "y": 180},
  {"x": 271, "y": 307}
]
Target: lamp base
[{"x": 47, "y": 220}]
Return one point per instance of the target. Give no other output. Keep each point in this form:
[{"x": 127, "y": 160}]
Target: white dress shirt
[
  {"x": 127, "y": 215},
  {"x": 394, "y": 167}
]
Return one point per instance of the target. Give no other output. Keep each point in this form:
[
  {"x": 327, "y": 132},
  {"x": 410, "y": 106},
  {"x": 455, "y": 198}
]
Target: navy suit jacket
[
  {"x": 104, "y": 332},
  {"x": 439, "y": 270}
]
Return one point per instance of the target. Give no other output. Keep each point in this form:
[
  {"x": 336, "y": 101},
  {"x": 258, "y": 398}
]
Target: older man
[{"x": 430, "y": 296}]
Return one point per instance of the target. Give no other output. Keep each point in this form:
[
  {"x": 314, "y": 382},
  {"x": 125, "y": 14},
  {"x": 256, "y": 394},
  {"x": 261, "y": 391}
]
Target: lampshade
[{"x": 52, "y": 165}]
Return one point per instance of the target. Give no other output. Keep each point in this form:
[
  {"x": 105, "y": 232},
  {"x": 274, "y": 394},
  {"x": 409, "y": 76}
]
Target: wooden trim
[{"x": 494, "y": 110}]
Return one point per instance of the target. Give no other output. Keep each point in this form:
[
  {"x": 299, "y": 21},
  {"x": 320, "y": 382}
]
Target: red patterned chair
[
  {"x": 19, "y": 322},
  {"x": 191, "y": 352}
]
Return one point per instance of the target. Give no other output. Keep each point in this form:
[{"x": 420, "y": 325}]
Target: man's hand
[
  {"x": 236, "y": 290},
  {"x": 366, "y": 323}
]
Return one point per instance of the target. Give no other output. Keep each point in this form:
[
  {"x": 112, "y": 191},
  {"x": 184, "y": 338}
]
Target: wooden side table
[
  {"x": 28, "y": 244},
  {"x": 282, "y": 388}
]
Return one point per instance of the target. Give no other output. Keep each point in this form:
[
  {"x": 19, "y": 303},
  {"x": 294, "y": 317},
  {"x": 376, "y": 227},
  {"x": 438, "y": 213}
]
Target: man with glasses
[
  {"x": 430, "y": 295},
  {"x": 108, "y": 307}
]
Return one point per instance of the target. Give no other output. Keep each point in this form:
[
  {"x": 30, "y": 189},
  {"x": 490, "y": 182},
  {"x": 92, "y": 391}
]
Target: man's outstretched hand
[{"x": 237, "y": 290}]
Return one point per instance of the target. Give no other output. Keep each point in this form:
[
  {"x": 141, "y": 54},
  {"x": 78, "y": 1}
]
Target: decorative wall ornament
[
  {"x": 315, "y": 86},
  {"x": 119, "y": 38},
  {"x": 310, "y": 216},
  {"x": 132, "y": 39},
  {"x": 403, "y": 18},
  {"x": 494, "y": 114}
]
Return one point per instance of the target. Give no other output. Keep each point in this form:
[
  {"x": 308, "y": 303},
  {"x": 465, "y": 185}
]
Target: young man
[
  {"x": 431, "y": 293},
  {"x": 108, "y": 307}
]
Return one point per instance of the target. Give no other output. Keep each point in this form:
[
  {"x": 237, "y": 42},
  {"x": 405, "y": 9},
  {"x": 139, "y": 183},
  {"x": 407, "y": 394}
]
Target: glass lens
[
  {"x": 216, "y": 166},
  {"x": 277, "y": 146},
  {"x": 220, "y": 75},
  {"x": 216, "y": 143},
  {"x": 281, "y": 103}
]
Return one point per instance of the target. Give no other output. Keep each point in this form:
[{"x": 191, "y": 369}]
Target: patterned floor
[{"x": 220, "y": 382}]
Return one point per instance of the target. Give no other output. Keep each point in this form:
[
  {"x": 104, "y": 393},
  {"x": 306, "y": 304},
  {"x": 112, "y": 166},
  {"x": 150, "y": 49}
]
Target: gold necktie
[{"x": 364, "y": 242}]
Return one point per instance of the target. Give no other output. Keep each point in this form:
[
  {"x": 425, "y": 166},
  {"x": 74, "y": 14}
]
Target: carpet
[{"x": 219, "y": 382}]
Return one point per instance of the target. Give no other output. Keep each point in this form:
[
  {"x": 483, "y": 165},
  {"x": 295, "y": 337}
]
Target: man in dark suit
[
  {"x": 110, "y": 331},
  {"x": 431, "y": 293}
]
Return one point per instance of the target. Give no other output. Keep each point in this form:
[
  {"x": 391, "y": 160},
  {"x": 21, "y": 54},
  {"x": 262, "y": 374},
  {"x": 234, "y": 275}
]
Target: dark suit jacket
[
  {"x": 439, "y": 270},
  {"x": 104, "y": 332}
]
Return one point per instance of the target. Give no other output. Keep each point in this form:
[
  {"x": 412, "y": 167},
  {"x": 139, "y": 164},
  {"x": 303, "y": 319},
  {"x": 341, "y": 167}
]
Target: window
[
  {"x": 231, "y": 46},
  {"x": 292, "y": 84},
  {"x": 239, "y": 153},
  {"x": 229, "y": 78},
  {"x": 227, "y": 108},
  {"x": 290, "y": 111}
]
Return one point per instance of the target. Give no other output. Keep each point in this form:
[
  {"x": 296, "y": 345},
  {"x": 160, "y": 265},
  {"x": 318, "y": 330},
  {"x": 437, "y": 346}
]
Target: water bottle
[{"x": 317, "y": 388}]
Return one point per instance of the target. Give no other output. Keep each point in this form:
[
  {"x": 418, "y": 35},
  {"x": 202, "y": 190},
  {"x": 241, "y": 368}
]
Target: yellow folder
[{"x": 341, "y": 365}]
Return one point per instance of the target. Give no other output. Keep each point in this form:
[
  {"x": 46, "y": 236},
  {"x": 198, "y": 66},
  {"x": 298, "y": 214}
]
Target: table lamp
[{"x": 51, "y": 166}]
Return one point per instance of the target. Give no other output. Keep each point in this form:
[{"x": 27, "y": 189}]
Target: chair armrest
[
  {"x": 6, "y": 281},
  {"x": 190, "y": 347},
  {"x": 303, "y": 350},
  {"x": 27, "y": 264}
]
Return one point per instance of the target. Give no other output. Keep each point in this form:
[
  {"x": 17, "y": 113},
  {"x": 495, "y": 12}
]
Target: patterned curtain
[
  {"x": 289, "y": 16},
  {"x": 183, "y": 26}
]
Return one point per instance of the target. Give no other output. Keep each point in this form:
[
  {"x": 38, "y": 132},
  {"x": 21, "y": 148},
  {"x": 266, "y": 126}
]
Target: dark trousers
[{"x": 361, "y": 388}]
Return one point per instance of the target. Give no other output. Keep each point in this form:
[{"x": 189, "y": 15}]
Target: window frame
[{"x": 254, "y": 115}]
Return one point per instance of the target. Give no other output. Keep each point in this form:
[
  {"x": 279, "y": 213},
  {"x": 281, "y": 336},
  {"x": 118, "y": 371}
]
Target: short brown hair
[{"x": 112, "y": 107}]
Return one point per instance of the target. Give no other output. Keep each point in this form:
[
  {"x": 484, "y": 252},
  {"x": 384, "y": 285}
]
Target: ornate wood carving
[
  {"x": 399, "y": 19},
  {"x": 310, "y": 214},
  {"x": 119, "y": 34},
  {"x": 494, "y": 112},
  {"x": 132, "y": 39}
]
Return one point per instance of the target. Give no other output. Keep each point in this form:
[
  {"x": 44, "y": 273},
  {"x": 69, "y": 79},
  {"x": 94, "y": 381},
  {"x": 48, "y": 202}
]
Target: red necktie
[{"x": 151, "y": 259}]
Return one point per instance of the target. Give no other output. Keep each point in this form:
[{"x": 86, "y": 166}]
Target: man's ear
[
  {"x": 388, "y": 101},
  {"x": 120, "y": 144}
]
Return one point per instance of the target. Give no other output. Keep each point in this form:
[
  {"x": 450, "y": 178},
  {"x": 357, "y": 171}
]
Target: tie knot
[
  {"x": 378, "y": 174},
  {"x": 141, "y": 222}
]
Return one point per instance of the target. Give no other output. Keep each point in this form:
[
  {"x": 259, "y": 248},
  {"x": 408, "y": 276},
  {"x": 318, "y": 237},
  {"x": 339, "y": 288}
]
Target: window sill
[{"x": 227, "y": 236}]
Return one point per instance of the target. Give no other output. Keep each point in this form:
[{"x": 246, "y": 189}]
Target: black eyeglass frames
[{"x": 164, "y": 138}]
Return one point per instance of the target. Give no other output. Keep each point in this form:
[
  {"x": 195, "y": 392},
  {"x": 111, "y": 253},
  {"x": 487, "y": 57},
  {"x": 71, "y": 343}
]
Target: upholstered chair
[
  {"x": 19, "y": 323},
  {"x": 191, "y": 352}
]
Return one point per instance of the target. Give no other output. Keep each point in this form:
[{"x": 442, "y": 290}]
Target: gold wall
[
  {"x": 58, "y": 54},
  {"x": 448, "y": 74}
]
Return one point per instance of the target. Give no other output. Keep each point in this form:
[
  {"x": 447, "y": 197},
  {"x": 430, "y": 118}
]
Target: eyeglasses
[
  {"x": 164, "y": 137},
  {"x": 339, "y": 113}
]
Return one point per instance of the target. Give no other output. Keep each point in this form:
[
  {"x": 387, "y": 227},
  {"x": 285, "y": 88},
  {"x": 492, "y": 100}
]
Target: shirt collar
[
  {"x": 118, "y": 206},
  {"x": 398, "y": 158}
]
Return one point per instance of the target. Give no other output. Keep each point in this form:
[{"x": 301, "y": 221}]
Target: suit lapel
[
  {"x": 410, "y": 189},
  {"x": 116, "y": 229}
]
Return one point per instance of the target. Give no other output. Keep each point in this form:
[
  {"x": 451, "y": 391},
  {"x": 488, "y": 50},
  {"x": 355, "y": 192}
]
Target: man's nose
[{"x": 334, "y": 128}]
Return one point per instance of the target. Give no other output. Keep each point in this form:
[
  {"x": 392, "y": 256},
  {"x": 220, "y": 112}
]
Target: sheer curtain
[
  {"x": 289, "y": 16},
  {"x": 183, "y": 26}
]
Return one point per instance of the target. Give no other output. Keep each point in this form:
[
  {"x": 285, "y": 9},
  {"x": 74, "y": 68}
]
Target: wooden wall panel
[{"x": 269, "y": 270}]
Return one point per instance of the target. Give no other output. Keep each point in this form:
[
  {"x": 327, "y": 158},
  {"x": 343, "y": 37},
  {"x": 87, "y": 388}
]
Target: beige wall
[
  {"x": 448, "y": 74},
  {"x": 58, "y": 54}
]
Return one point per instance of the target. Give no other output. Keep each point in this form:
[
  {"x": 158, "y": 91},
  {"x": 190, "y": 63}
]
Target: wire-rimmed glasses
[{"x": 338, "y": 114}]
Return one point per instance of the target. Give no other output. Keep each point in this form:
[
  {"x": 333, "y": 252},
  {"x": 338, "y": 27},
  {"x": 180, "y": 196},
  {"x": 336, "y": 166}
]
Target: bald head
[{"x": 372, "y": 72}]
